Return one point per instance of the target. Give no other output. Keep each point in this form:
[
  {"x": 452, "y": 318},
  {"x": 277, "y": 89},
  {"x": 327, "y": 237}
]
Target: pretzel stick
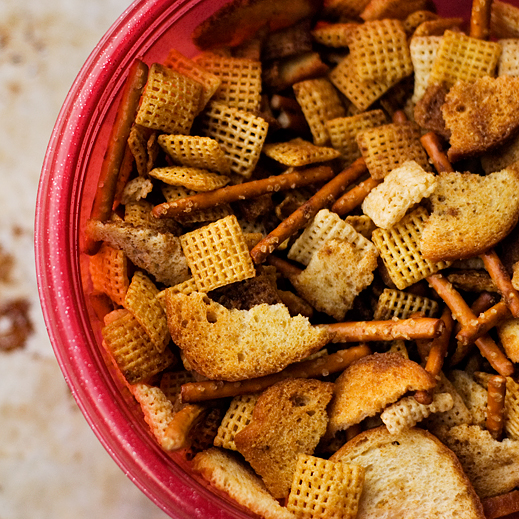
[
  {"x": 407, "y": 329},
  {"x": 464, "y": 315},
  {"x": 483, "y": 323},
  {"x": 234, "y": 193},
  {"x": 284, "y": 267},
  {"x": 433, "y": 147},
  {"x": 354, "y": 197},
  {"x": 499, "y": 275},
  {"x": 496, "y": 406},
  {"x": 480, "y": 19},
  {"x": 400, "y": 117},
  {"x": 107, "y": 183},
  {"x": 122, "y": 178},
  {"x": 301, "y": 216},
  {"x": 437, "y": 353},
  {"x": 502, "y": 505},
  {"x": 178, "y": 430},
  {"x": 319, "y": 367}
]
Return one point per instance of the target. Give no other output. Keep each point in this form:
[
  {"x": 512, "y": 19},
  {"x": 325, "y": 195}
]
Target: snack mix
[{"x": 304, "y": 252}]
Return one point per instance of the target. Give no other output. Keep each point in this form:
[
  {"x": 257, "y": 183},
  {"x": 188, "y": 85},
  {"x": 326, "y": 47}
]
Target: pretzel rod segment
[
  {"x": 480, "y": 19},
  {"x": 437, "y": 354},
  {"x": 433, "y": 147},
  {"x": 284, "y": 267},
  {"x": 500, "y": 276},
  {"x": 498, "y": 360},
  {"x": 388, "y": 330},
  {"x": 496, "y": 406},
  {"x": 234, "y": 193},
  {"x": 321, "y": 366},
  {"x": 354, "y": 197},
  {"x": 301, "y": 216},
  {"x": 107, "y": 183},
  {"x": 399, "y": 117},
  {"x": 177, "y": 432},
  {"x": 483, "y": 323}
]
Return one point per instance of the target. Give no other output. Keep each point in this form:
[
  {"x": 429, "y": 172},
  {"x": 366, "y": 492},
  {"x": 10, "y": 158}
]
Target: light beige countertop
[{"x": 51, "y": 464}]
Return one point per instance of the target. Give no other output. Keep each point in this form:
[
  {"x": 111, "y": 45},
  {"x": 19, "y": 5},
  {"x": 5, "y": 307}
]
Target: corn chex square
[
  {"x": 362, "y": 93},
  {"x": 196, "y": 179},
  {"x": 423, "y": 53},
  {"x": 170, "y": 101},
  {"x": 141, "y": 300},
  {"x": 344, "y": 130},
  {"x": 391, "y": 145},
  {"x": 461, "y": 57},
  {"x": 396, "y": 303},
  {"x": 196, "y": 152},
  {"x": 109, "y": 273},
  {"x": 132, "y": 349},
  {"x": 334, "y": 35},
  {"x": 177, "y": 61},
  {"x": 399, "y": 248},
  {"x": 298, "y": 152},
  {"x": 240, "y": 134},
  {"x": 171, "y": 383},
  {"x": 508, "y": 64},
  {"x": 217, "y": 254},
  {"x": 237, "y": 417},
  {"x": 379, "y": 50},
  {"x": 322, "y": 489},
  {"x": 319, "y": 101},
  {"x": 240, "y": 80}
]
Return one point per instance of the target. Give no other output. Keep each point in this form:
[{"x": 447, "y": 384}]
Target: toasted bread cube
[
  {"x": 170, "y": 101},
  {"x": 323, "y": 489},
  {"x": 402, "y": 188}
]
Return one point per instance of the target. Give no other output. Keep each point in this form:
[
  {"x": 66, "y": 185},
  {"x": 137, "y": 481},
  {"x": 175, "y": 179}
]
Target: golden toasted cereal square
[
  {"x": 423, "y": 53},
  {"x": 400, "y": 251},
  {"x": 407, "y": 412},
  {"x": 416, "y": 18},
  {"x": 298, "y": 152},
  {"x": 362, "y": 93},
  {"x": 217, "y": 254},
  {"x": 379, "y": 51},
  {"x": 132, "y": 349},
  {"x": 138, "y": 144},
  {"x": 109, "y": 273},
  {"x": 325, "y": 226},
  {"x": 396, "y": 303},
  {"x": 344, "y": 130},
  {"x": 196, "y": 152},
  {"x": 438, "y": 27},
  {"x": 324, "y": 489},
  {"x": 462, "y": 57},
  {"x": 170, "y": 101},
  {"x": 319, "y": 101},
  {"x": 240, "y": 78},
  {"x": 508, "y": 64},
  {"x": 345, "y": 9},
  {"x": 237, "y": 417},
  {"x": 196, "y": 179},
  {"x": 504, "y": 20},
  {"x": 186, "y": 287},
  {"x": 334, "y": 35},
  {"x": 177, "y": 61},
  {"x": 157, "y": 410},
  {"x": 240, "y": 134},
  {"x": 171, "y": 383},
  {"x": 391, "y": 145},
  {"x": 398, "y": 346},
  {"x": 402, "y": 188},
  {"x": 141, "y": 300}
]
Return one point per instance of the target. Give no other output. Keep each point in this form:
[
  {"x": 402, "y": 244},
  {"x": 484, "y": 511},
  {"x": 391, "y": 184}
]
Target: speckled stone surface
[{"x": 51, "y": 464}]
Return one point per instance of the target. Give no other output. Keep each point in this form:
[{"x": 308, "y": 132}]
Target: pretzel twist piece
[
  {"x": 480, "y": 19},
  {"x": 234, "y": 193},
  {"x": 301, "y": 216},
  {"x": 388, "y": 330},
  {"x": 437, "y": 353},
  {"x": 464, "y": 315},
  {"x": 178, "y": 430},
  {"x": 496, "y": 406},
  {"x": 107, "y": 183},
  {"x": 354, "y": 197},
  {"x": 433, "y": 147},
  {"x": 319, "y": 367},
  {"x": 500, "y": 276}
]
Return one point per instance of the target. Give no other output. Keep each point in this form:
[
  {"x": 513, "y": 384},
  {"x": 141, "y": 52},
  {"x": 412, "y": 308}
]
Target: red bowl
[{"x": 147, "y": 30}]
